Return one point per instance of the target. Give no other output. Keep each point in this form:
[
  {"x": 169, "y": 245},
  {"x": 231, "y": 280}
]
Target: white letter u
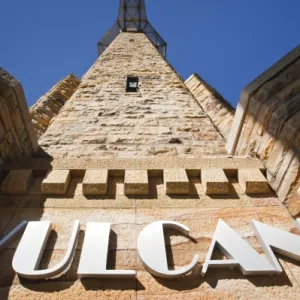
[{"x": 30, "y": 251}]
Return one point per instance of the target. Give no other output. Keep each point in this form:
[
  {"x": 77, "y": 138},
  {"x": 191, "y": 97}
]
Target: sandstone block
[
  {"x": 252, "y": 181},
  {"x": 136, "y": 182},
  {"x": 109, "y": 128},
  {"x": 56, "y": 182},
  {"x": 17, "y": 182},
  {"x": 214, "y": 182},
  {"x": 176, "y": 181},
  {"x": 95, "y": 182},
  {"x": 4, "y": 151},
  {"x": 294, "y": 204}
]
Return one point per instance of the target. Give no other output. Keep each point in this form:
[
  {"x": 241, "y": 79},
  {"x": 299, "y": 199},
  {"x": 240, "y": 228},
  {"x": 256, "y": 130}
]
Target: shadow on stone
[
  {"x": 170, "y": 255},
  {"x": 214, "y": 276},
  {"x": 232, "y": 195},
  {"x": 112, "y": 284}
]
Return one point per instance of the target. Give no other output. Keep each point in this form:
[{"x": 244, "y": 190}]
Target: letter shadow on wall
[
  {"x": 182, "y": 252},
  {"x": 68, "y": 279},
  {"x": 113, "y": 284},
  {"x": 35, "y": 201}
]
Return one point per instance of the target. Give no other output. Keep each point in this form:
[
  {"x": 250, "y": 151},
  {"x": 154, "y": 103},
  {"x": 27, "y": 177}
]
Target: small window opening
[{"x": 132, "y": 85}]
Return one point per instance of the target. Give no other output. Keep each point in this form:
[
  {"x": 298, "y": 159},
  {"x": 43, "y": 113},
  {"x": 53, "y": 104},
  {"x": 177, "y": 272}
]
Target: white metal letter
[
  {"x": 152, "y": 250},
  {"x": 298, "y": 224},
  {"x": 278, "y": 241},
  {"x": 30, "y": 251},
  {"x": 12, "y": 235},
  {"x": 94, "y": 254},
  {"x": 238, "y": 252}
]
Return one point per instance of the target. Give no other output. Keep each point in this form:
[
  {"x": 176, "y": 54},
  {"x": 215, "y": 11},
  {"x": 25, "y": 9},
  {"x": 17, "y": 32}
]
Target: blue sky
[{"x": 227, "y": 42}]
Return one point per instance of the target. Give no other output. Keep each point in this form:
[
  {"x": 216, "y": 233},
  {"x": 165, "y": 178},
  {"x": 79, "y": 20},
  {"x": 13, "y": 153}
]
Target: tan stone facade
[
  {"x": 217, "y": 108},
  {"x": 267, "y": 126},
  {"x": 17, "y": 137},
  {"x": 49, "y": 106},
  {"x": 129, "y": 214},
  {"x": 133, "y": 158},
  {"x": 161, "y": 119}
]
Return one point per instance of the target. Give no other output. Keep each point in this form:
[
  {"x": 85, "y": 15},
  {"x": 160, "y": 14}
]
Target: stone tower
[
  {"x": 131, "y": 146},
  {"x": 159, "y": 117}
]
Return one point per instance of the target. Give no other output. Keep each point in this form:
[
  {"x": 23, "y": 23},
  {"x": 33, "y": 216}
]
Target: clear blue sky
[{"x": 228, "y": 42}]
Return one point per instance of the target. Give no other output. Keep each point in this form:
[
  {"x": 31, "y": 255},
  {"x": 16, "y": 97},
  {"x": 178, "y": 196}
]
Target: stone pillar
[
  {"x": 267, "y": 125},
  {"x": 161, "y": 118},
  {"x": 17, "y": 136}
]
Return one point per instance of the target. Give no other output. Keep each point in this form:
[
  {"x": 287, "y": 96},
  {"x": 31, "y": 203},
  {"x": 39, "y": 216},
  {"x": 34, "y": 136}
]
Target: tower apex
[{"x": 132, "y": 17}]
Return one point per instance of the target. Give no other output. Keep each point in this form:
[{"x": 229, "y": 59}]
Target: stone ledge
[
  {"x": 176, "y": 182},
  {"x": 95, "y": 182},
  {"x": 136, "y": 182},
  {"x": 252, "y": 181},
  {"x": 228, "y": 164},
  {"x": 56, "y": 182},
  {"x": 17, "y": 182},
  {"x": 214, "y": 182}
]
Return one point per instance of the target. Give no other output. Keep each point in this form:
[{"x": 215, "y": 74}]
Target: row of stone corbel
[{"x": 136, "y": 182}]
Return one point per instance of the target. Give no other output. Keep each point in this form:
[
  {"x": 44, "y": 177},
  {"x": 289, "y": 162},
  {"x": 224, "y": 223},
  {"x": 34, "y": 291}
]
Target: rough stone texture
[
  {"x": 217, "y": 108},
  {"x": 49, "y": 106},
  {"x": 214, "y": 182},
  {"x": 161, "y": 119},
  {"x": 136, "y": 182},
  {"x": 17, "y": 136},
  {"x": 128, "y": 217},
  {"x": 17, "y": 182},
  {"x": 253, "y": 181},
  {"x": 56, "y": 182},
  {"x": 267, "y": 126},
  {"x": 176, "y": 181},
  {"x": 229, "y": 164},
  {"x": 95, "y": 182}
]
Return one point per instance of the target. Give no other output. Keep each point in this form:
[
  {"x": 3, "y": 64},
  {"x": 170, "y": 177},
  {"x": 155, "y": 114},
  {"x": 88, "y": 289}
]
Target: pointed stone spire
[{"x": 132, "y": 17}]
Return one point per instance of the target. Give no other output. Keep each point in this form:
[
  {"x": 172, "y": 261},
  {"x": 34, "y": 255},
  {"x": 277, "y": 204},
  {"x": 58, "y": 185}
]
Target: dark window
[{"x": 132, "y": 85}]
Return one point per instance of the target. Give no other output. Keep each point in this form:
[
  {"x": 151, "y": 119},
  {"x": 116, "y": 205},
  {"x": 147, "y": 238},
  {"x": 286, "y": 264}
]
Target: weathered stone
[
  {"x": 17, "y": 137},
  {"x": 56, "y": 182},
  {"x": 176, "y": 181},
  {"x": 214, "y": 182},
  {"x": 294, "y": 204},
  {"x": 136, "y": 182},
  {"x": 266, "y": 124},
  {"x": 146, "y": 121},
  {"x": 47, "y": 107},
  {"x": 290, "y": 180},
  {"x": 17, "y": 182},
  {"x": 95, "y": 182},
  {"x": 220, "y": 111},
  {"x": 152, "y": 163},
  {"x": 253, "y": 181}
]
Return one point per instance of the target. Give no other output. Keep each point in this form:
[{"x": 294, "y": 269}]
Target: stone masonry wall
[
  {"x": 48, "y": 106},
  {"x": 129, "y": 215},
  {"x": 17, "y": 137},
  {"x": 102, "y": 120},
  {"x": 271, "y": 127},
  {"x": 218, "y": 109}
]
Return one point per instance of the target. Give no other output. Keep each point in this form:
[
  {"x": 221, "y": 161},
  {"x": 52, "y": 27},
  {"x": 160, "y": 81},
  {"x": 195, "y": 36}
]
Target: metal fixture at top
[{"x": 132, "y": 17}]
